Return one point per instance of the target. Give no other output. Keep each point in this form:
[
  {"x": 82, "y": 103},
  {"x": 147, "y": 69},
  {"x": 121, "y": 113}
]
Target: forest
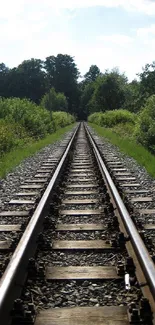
[
  {"x": 55, "y": 84},
  {"x": 98, "y": 91}
]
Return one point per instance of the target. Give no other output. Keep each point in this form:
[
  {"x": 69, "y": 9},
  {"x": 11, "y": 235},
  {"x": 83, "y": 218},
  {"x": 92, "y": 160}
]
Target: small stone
[
  {"x": 58, "y": 303},
  {"x": 71, "y": 302},
  {"x": 85, "y": 283},
  {"x": 40, "y": 303},
  {"x": 56, "y": 296},
  {"x": 93, "y": 300},
  {"x": 44, "y": 299}
]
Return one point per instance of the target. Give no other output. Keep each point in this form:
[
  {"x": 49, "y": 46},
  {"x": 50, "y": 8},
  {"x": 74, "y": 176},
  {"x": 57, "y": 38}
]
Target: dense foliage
[
  {"x": 53, "y": 101},
  {"x": 97, "y": 92},
  {"x": 33, "y": 78},
  {"x": 140, "y": 127},
  {"x": 22, "y": 121},
  {"x": 112, "y": 118},
  {"x": 62, "y": 119},
  {"x": 11, "y": 135},
  {"x": 110, "y": 91},
  {"x": 35, "y": 119},
  {"x": 54, "y": 85},
  {"x": 145, "y": 128}
]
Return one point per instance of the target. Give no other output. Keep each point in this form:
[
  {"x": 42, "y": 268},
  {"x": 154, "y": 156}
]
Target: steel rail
[
  {"x": 14, "y": 276},
  {"x": 140, "y": 249}
]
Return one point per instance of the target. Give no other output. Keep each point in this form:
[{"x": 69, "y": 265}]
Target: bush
[
  {"x": 145, "y": 127},
  {"x": 35, "y": 119},
  {"x": 22, "y": 121},
  {"x": 6, "y": 137},
  {"x": 62, "y": 119},
  {"x": 112, "y": 118},
  {"x": 11, "y": 135}
]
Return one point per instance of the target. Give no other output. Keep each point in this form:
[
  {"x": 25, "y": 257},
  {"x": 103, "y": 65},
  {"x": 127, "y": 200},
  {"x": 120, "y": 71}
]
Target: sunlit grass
[
  {"x": 10, "y": 160},
  {"x": 129, "y": 147}
]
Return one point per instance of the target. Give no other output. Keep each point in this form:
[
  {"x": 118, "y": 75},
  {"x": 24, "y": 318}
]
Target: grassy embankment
[
  {"x": 13, "y": 158},
  {"x": 122, "y": 136},
  {"x": 25, "y": 128}
]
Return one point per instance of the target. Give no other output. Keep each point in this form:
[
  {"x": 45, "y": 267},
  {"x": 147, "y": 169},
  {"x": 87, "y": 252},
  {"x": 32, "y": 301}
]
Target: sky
[{"x": 108, "y": 33}]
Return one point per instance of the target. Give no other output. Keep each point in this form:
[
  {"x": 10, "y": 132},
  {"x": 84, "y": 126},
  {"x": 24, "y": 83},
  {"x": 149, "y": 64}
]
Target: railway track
[{"x": 83, "y": 258}]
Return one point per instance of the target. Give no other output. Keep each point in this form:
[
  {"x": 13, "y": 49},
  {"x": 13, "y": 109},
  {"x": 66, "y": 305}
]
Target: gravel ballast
[
  {"x": 47, "y": 294},
  {"x": 27, "y": 169}
]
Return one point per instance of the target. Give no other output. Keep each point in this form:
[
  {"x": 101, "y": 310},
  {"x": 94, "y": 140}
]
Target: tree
[
  {"x": 109, "y": 91},
  {"x": 62, "y": 102},
  {"x": 147, "y": 78},
  {"x": 145, "y": 130},
  {"x": 28, "y": 80},
  {"x": 85, "y": 102},
  {"x": 3, "y": 69},
  {"x": 92, "y": 74},
  {"x": 32, "y": 79},
  {"x": 87, "y": 87},
  {"x": 53, "y": 101},
  {"x": 3, "y": 79},
  {"x": 133, "y": 98},
  {"x": 62, "y": 74}
]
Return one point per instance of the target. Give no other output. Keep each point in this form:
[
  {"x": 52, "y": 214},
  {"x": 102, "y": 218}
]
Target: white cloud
[
  {"x": 11, "y": 8},
  {"x": 146, "y": 31},
  {"x": 20, "y": 31},
  {"x": 36, "y": 28},
  {"x": 143, "y": 6},
  {"x": 146, "y": 6},
  {"x": 118, "y": 39}
]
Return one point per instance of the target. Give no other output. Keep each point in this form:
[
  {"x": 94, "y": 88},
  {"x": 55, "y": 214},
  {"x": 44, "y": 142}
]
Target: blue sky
[{"x": 108, "y": 33}]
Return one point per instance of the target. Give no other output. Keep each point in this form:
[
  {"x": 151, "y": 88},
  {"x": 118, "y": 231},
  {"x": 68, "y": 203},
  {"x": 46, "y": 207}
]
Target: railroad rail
[{"x": 84, "y": 210}]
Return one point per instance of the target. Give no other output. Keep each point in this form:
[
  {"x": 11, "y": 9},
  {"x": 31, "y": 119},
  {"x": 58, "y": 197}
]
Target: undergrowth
[
  {"x": 11, "y": 159},
  {"x": 128, "y": 146}
]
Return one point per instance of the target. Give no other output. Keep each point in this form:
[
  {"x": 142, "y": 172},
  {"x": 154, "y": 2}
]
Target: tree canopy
[
  {"x": 53, "y": 101},
  {"x": 92, "y": 74},
  {"x": 57, "y": 79}
]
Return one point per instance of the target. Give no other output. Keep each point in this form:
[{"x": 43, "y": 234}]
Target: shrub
[
  {"x": 112, "y": 118},
  {"x": 145, "y": 127},
  {"x": 22, "y": 121},
  {"x": 11, "y": 135},
  {"x": 62, "y": 119},
  {"x": 35, "y": 119},
  {"x": 6, "y": 137}
]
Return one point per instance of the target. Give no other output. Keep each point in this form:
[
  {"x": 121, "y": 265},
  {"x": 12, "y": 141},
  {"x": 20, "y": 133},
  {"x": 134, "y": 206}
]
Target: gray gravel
[
  {"x": 80, "y": 293},
  {"x": 89, "y": 235},
  {"x": 27, "y": 169},
  {"x": 47, "y": 294},
  {"x": 10, "y": 185},
  {"x": 146, "y": 181},
  {"x": 82, "y": 258},
  {"x": 80, "y": 219}
]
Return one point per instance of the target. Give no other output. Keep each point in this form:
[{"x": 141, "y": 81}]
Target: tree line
[{"x": 54, "y": 83}]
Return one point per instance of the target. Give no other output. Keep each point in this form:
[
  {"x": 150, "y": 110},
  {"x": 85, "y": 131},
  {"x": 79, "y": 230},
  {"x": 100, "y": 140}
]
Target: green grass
[
  {"x": 13, "y": 158},
  {"x": 129, "y": 147}
]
